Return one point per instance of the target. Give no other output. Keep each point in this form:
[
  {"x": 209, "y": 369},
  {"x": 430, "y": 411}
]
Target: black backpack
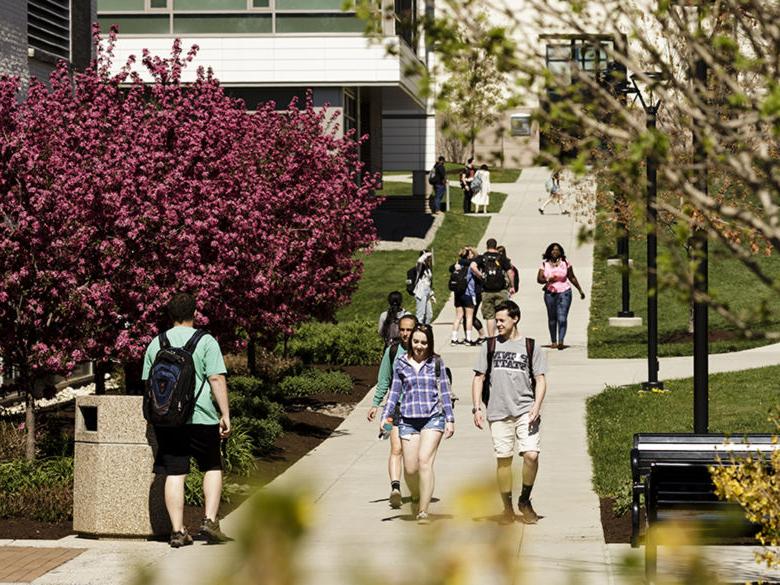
[
  {"x": 458, "y": 280},
  {"x": 169, "y": 398},
  {"x": 491, "y": 350},
  {"x": 494, "y": 275},
  {"x": 411, "y": 279}
]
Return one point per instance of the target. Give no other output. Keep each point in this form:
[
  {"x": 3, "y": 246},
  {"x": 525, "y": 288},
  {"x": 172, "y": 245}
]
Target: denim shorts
[{"x": 413, "y": 426}]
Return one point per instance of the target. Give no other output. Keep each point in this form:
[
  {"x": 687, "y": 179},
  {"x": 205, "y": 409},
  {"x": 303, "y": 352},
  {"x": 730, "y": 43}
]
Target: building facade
[
  {"x": 35, "y": 34},
  {"x": 263, "y": 50}
]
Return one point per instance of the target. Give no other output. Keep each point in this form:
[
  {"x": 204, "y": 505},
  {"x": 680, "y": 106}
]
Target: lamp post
[{"x": 651, "y": 107}]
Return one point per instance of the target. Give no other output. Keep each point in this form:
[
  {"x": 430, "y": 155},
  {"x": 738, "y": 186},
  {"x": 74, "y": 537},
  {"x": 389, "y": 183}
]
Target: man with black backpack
[
  {"x": 509, "y": 378},
  {"x": 183, "y": 367},
  {"x": 437, "y": 178},
  {"x": 495, "y": 272}
]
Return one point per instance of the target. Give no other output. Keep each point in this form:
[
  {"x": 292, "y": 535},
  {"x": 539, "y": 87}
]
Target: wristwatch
[{"x": 475, "y": 409}]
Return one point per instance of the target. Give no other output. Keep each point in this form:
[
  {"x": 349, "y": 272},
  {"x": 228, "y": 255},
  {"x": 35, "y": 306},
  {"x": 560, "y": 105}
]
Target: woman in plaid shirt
[{"x": 426, "y": 414}]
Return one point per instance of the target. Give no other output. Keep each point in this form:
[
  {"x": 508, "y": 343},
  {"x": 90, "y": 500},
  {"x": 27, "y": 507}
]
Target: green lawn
[
  {"x": 730, "y": 282},
  {"x": 497, "y": 175},
  {"x": 739, "y": 403},
  {"x": 386, "y": 271},
  {"x": 395, "y": 188}
]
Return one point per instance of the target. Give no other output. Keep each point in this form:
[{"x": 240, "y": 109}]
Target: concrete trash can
[{"x": 115, "y": 492}]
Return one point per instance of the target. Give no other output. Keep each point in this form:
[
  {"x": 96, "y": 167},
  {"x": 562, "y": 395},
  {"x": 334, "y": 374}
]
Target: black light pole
[
  {"x": 700, "y": 284},
  {"x": 651, "y": 111}
]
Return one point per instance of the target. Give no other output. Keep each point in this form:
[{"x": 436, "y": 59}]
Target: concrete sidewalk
[{"x": 355, "y": 530}]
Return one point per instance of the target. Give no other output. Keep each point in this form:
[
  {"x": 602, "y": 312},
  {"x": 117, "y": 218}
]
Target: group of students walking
[{"x": 508, "y": 387}]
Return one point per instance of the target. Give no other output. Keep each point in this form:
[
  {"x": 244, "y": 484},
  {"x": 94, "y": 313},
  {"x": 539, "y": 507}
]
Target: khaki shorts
[
  {"x": 490, "y": 300},
  {"x": 511, "y": 435}
]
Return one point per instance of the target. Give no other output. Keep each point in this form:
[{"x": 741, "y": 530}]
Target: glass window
[
  {"x": 118, "y": 5},
  {"x": 137, "y": 25},
  {"x": 520, "y": 125},
  {"x": 558, "y": 52},
  {"x": 158, "y": 3},
  {"x": 308, "y": 4},
  {"x": 561, "y": 70},
  {"x": 313, "y": 23},
  {"x": 207, "y": 23},
  {"x": 261, "y": 3},
  {"x": 209, "y": 5}
]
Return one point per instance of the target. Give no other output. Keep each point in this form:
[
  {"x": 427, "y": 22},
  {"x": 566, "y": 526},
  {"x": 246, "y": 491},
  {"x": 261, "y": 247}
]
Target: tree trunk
[
  {"x": 99, "y": 369},
  {"x": 251, "y": 356},
  {"x": 29, "y": 424},
  {"x": 134, "y": 386}
]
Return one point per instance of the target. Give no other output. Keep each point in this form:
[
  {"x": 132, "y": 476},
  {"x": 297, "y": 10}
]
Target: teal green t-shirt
[{"x": 208, "y": 362}]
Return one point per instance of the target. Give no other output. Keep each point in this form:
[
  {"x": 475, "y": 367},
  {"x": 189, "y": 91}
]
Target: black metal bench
[{"x": 671, "y": 472}]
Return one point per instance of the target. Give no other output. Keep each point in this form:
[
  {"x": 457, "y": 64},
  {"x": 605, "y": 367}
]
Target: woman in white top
[
  {"x": 480, "y": 186},
  {"x": 423, "y": 290}
]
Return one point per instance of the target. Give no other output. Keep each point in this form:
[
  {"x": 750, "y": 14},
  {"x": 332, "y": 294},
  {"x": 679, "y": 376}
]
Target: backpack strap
[
  {"x": 193, "y": 341},
  {"x": 437, "y": 370},
  {"x": 529, "y": 349},
  {"x": 164, "y": 343},
  {"x": 393, "y": 352},
  {"x": 491, "y": 350}
]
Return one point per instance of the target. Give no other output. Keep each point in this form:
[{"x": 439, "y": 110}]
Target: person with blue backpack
[{"x": 183, "y": 367}]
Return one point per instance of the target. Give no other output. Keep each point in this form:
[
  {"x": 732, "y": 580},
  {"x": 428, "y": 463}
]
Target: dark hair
[
  {"x": 441, "y": 159},
  {"x": 428, "y": 331},
  {"x": 510, "y": 307},
  {"x": 501, "y": 250},
  {"x": 471, "y": 160},
  {"x": 181, "y": 307},
  {"x": 491, "y": 243},
  {"x": 394, "y": 300},
  {"x": 483, "y": 168},
  {"x": 548, "y": 252}
]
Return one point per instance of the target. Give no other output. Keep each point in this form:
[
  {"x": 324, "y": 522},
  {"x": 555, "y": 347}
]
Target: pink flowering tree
[{"x": 115, "y": 193}]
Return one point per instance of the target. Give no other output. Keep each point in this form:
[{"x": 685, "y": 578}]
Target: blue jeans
[
  {"x": 438, "y": 195},
  {"x": 557, "y": 313}
]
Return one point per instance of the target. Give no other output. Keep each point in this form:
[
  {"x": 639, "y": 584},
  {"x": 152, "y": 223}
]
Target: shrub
[
  {"x": 12, "y": 441},
  {"x": 315, "y": 382},
  {"x": 40, "y": 490},
  {"x": 263, "y": 431},
  {"x": 350, "y": 343}
]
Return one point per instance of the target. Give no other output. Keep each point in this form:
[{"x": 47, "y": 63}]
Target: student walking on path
[
  {"x": 480, "y": 187},
  {"x": 556, "y": 274},
  {"x": 438, "y": 179},
  {"x": 554, "y": 195},
  {"x": 466, "y": 177},
  {"x": 465, "y": 296},
  {"x": 495, "y": 273},
  {"x": 390, "y": 358},
  {"x": 389, "y": 319},
  {"x": 420, "y": 385},
  {"x": 515, "y": 284},
  {"x": 423, "y": 289},
  {"x": 513, "y": 372}
]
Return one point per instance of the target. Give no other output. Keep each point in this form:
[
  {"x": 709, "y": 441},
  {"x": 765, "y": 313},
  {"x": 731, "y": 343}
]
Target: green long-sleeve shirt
[{"x": 385, "y": 376}]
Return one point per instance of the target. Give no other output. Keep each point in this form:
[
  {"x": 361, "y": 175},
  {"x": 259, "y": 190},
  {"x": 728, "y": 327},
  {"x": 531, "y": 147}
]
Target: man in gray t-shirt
[{"x": 513, "y": 411}]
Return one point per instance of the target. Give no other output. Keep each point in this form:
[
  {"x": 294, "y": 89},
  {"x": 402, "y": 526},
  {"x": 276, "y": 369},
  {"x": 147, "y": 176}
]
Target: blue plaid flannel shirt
[{"x": 420, "y": 395}]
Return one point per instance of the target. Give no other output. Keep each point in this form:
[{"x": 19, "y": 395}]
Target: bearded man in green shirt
[{"x": 394, "y": 351}]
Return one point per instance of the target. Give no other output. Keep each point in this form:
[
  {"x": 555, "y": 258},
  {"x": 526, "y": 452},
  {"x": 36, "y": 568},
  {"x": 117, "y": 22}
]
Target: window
[
  {"x": 120, "y": 5},
  {"x": 137, "y": 25},
  {"x": 158, "y": 4},
  {"x": 206, "y": 23},
  {"x": 48, "y": 26},
  {"x": 565, "y": 53},
  {"x": 520, "y": 125},
  {"x": 350, "y": 109}
]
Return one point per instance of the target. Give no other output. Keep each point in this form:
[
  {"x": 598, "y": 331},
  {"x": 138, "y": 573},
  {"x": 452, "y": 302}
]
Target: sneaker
[
  {"x": 422, "y": 518},
  {"x": 395, "y": 499},
  {"x": 209, "y": 529},
  {"x": 565, "y": 213},
  {"x": 507, "y": 517},
  {"x": 481, "y": 340},
  {"x": 541, "y": 211},
  {"x": 180, "y": 538},
  {"x": 453, "y": 396},
  {"x": 527, "y": 514},
  {"x": 455, "y": 342}
]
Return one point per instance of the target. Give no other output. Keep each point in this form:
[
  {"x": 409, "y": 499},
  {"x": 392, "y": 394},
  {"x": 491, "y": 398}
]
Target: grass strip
[{"x": 739, "y": 403}]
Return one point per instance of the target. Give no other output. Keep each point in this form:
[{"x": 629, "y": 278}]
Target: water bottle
[{"x": 387, "y": 428}]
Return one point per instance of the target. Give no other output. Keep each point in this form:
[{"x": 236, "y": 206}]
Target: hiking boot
[
  {"x": 527, "y": 514},
  {"x": 395, "y": 499},
  {"x": 423, "y": 519},
  {"x": 180, "y": 538},
  {"x": 507, "y": 517},
  {"x": 209, "y": 529}
]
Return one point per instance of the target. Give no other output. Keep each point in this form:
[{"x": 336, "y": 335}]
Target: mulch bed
[
  {"x": 304, "y": 429},
  {"x": 617, "y": 529}
]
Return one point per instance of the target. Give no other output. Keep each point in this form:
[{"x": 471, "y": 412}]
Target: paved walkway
[{"x": 354, "y": 529}]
